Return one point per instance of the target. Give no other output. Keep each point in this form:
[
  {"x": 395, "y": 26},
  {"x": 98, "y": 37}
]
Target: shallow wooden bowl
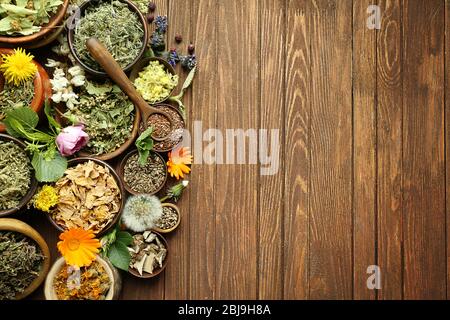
[
  {"x": 42, "y": 87},
  {"x": 122, "y": 173},
  {"x": 146, "y": 275},
  {"x": 114, "y": 276},
  {"x": 165, "y": 231},
  {"x": 71, "y": 37},
  {"x": 25, "y": 229},
  {"x": 33, "y": 186},
  {"x": 34, "y": 39},
  {"x": 76, "y": 161},
  {"x": 143, "y": 63}
]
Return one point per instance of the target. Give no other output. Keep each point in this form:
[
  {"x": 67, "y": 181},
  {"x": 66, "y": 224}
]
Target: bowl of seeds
[
  {"x": 170, "y": 219},
  {"x": 17, "y": 180},
  {"x": 117, "y": 24},
  {"x": 143, "y": 179},
  {"x": 91, "y": 196},
  {"x": 24, "y": 259}
]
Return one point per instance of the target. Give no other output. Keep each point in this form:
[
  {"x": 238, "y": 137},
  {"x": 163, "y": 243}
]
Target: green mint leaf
[
  {"x": 50, "y": 118},
  {"x": 124, "y": 237},
  {"x": 144, "y": 144},
  {"x": 49, "y": 170},
  {"x": 20, "y": 119},
  {"x": 119, "y": 256}
]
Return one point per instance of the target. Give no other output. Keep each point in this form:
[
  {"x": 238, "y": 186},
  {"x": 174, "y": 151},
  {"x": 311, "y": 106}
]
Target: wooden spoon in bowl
[{"x": 112, "y": 68}]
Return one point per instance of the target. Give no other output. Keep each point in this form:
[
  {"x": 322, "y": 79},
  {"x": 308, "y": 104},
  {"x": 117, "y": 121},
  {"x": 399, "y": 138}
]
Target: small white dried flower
[
  {"x": 53, "y": 63},
  {"x": 78, "y": 81},
  {"x": 76, "y": 71},
  {"x": 142, "y": 212}
]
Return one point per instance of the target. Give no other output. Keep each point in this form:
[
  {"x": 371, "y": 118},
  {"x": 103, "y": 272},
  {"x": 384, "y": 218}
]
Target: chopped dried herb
[
  {"x": 114, "y": 25},
  {"x": 148, "y": 252},
  {"x": 16, "y": 96},
  {"x": 94, "y": 283},
  {"x": 147, "y": 178},
  {"x": 108, "y": 115},
  {"x": 15, "y": 174},
  {"x": 169, "y": 219},
  {"x": 20, "y": 262}
]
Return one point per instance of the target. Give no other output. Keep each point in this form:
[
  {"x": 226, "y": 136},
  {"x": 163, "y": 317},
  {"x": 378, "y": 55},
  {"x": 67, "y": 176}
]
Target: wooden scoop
[{"x": 112, "y": 68}]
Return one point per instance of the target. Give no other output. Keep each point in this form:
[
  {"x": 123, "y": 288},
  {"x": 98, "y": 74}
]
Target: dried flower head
[
  {"x": 46, "y": 199},
  {"x": 79, "y": 247},
  {"x": 141, "y": 212},
  {"x": 161, "y": 24},
  {"x": 18, "y": 67}
]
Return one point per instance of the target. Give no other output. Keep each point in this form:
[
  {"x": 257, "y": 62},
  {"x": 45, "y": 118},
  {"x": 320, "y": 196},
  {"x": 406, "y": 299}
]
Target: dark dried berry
[
  {"x": 150, "y": 18},
  {"x": 191, "y": 49},
  {"x": 178, "y": 38},
  {"x": 152, "y": 7}
]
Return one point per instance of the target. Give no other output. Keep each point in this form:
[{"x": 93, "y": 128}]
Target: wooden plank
[
  {"x": 134, "y": 288},
  {"x": 423, "y": 154},
  {"x": 364, "y": 151},
  {"x": 390, "y": 106},
  {"x": 238, "y": 95},
  {"x": 331, "y": 150},
  {"x": 204, "y": 107},
  {"x": 272, "y": 117},
  {"x": 177, "y": 281},
  {"x": 297, "y": 142}
]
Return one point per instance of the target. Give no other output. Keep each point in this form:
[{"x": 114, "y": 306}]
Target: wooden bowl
[
  {"x": 143, "y": 63},
  {"x": 122, "y": 173},
  {"x": 33, "y": 186},
  {"x": 42, "y": 87},
  {"x": 165, "y": 231},
  {"x": 76, "y": 161},
  {"x": 114, "y": 275},
  {"x": 146, "y": 275},
  {"x": 71, "y": 37},
  {"x": 28, "y": 231},
  {"x": 34, "y": 39}
]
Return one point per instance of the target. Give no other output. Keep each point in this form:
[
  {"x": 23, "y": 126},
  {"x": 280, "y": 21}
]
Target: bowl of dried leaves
[
  {"x": 118, "y": 25},
  {"x": 28, "y": 86},
  {"x": 149, "y": 254},
  {"x": 90, "y": 196},
  {"x": 25, "y": 23},
  {"x": 24, "y": 259},
  {"x": 98, "y": 281},
  {"x": 17, "y": 180},
  {"x": 170, "y": 219}
]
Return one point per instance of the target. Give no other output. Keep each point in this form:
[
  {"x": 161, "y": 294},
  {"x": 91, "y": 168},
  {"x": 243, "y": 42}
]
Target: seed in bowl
[
  {"x": 15, "y": 174},
  {"x": 89, "y": 198}
]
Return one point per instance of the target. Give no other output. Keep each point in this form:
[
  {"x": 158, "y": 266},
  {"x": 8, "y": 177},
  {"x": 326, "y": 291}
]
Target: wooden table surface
[{"x": 362, "y": 180}]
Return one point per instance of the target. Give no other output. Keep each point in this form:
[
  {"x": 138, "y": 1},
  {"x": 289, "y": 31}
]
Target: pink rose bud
[{"x": 71, "y": 140}]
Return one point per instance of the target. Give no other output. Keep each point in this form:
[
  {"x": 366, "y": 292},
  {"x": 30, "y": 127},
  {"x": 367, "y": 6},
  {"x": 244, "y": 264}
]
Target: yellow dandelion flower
[
  {"x": 46, "y": 199},
  {"x": 18, "y": 67},
  {"x": 79, "y": 247}
]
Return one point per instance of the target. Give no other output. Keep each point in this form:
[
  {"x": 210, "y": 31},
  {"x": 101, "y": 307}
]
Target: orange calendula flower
[
  {"x": 79, "y": 247},
  {"x": 179, "y": 160}
]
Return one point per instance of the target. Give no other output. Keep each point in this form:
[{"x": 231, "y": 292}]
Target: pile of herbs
[
  {"x": 25, "y": 17},
  {"x": 20, "y": 262},
  {"x": 14, "y": 97},
  {"x": 108, "y": 115},
  {"x": 116, "y": 26},
  {"x": 15, "y": 174}
]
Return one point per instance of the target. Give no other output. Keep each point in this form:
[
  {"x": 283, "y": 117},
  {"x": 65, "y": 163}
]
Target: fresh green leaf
[
  {"x": 50, "y": 118},
  {"x": 27, "y": 118},
  {"x": 119, "y": 256},
  {"x": 49, "y": 170},
  {"x": 124, "y": 237},
  {"x": 144, "y": 144}
]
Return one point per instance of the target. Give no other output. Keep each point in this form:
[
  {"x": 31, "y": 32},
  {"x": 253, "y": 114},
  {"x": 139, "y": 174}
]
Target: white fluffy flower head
[{"x": 142, "y": 212}]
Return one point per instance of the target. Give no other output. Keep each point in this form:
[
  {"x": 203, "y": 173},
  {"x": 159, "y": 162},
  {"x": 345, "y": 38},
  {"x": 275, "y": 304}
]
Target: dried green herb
[
  {"x": 15, "y": 174},
  {"x": 25, "y": 17},
  {"x": 169, "y": 218},
  {"x": 108, "y": 115},
  {"x": 20, "y": 262},
  {"x": 16, "y": 96},
  {"x": 114, "y": 25},
  {"x": 146, "y": 178}
]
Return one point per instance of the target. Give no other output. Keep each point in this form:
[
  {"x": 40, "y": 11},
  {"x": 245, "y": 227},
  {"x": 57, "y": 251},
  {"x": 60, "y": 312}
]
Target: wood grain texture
[
  {"x": 271, "y": 190},
  {"x": 364, "y": 150},
  {"x": 177, "y": 274},
  {"x": 447, "y": 135},
  {"x": 297, "y": 147},
  {"x": 238, "y": 95},
  {"x": 423, "y": 152},
  {"x": 389, "y": 142},
  {"x": 331, "y": 150},
  {"x": 204, "y": 107}
]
